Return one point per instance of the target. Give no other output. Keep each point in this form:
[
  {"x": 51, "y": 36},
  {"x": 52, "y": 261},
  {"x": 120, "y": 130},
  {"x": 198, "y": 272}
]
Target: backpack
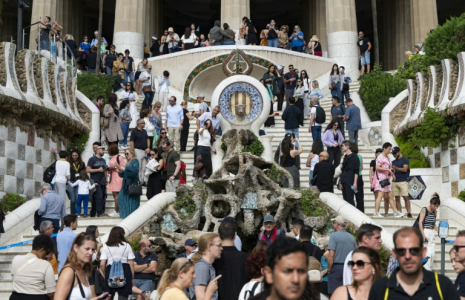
[
  {"x": 250, "y": 293},
  {"x": 320, "y": 117},
  {"x": 116, "y": 277},
  {"x": 314, "y": 268},
  {"x": 49, "y": 173}
]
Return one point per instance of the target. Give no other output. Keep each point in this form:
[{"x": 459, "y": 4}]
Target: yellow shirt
[{"x": 173, "y": 293}]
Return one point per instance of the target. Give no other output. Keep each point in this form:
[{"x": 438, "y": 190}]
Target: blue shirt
[
  {"x": 64, "y": 242},
  {"x": 400, "y": 176},
  {"x": 296, "y": 42},
  {"x": 343, "y": 76},
  {"x": 95, "y": 41},
  {"x": 324, "y": 266},
  {"x": 174, "y": 115},
  {"x": 354, "y": 122},
  {"x": 316, "y": 93},
  {"x": 52, "y": 206}
]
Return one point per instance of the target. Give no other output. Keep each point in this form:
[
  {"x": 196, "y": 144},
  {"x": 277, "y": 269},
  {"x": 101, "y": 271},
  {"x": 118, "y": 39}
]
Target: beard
[{"x": 415, "y": 271}]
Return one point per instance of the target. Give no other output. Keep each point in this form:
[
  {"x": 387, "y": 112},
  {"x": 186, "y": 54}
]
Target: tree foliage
[{"x": 93, "y": 85}]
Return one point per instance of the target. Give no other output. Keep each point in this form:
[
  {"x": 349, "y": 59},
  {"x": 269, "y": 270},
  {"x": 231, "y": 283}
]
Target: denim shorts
[
  {"x": 365, "y": 58},
  {"x": 144, "y": 284}
]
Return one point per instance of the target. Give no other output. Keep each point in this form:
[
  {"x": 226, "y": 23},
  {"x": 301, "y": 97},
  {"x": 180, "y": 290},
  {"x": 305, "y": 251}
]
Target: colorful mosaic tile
[
  {"x": 240, "y": 87},
  {"x": 12, "y": 69},
  {"x": 250, "y": 201},
  {"x": 416, "y": 187},
  {"x": 211, "y": 63},
  {"x": 430, "y": 151},
  {"x": 462, "y": 171},
  {"x": 375, "y": 137},
  {"x": 454, "y": 188},
  {"x": 445, "y": 174}
]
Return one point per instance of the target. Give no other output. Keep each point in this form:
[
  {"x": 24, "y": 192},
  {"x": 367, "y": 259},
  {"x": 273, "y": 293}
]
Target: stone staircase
[{"x": 277, "y": 133}]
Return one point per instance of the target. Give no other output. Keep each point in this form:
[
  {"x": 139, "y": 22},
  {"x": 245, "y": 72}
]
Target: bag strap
[
  {"x": 386, "y": 294},
  {"x": 438, "y": 286},
  {"x": 23, "y": 266},
  {"x": 81, "y": 289},
  {"x": 255, "y": 285}
]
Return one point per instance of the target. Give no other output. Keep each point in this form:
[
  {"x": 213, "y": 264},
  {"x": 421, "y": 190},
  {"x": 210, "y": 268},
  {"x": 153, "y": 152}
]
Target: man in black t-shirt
[
  {"x": 140, "y": 142},
  {"x": 399, "y": 185},
  {"x": 272, "y": 34},
  {"x": 145, "y": 265},
  {"x": 96, "y": 167},
  {"x": 290, "y": 80},
  {"x": 364, "y": 47},
  {"x": 231, "y": 265}
]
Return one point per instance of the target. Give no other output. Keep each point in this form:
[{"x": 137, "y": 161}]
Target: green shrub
[
  {"x": 255, "y": 148},
  {"x": 432, "y": 130},
  {"x": 446, "y": 40},
  {"x": 93, "y": 85},
  {"x": 79, "y": 142},
  {"x": 185, "y": 206},
  {"x": 276, "y": 175},
  {"x": 417, "y": 63},
  {"x": 11, "y": 201},
  {"x": 412, "y": 152},
  {"x": 310, "y": 205},
  {"x": 134, "y": 242},
  {"x": 461, "y": 196},
  {"x": 375, "y": 90}
]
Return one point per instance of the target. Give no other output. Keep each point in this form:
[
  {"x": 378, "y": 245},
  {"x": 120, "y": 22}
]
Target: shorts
[
  {"x": 365, "y": 58},
  {"x": 144, "y": 284},
  {"x": 400, "y": 188}
]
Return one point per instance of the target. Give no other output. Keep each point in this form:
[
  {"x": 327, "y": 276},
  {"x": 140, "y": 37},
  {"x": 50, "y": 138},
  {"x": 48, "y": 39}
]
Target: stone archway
[{"x": 212, "y": 62}]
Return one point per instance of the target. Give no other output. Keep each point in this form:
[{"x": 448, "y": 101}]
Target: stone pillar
[
  {"x": 424, "y": 18},
  {"x": 341, "y": 26},
  {"x": 232, "y": 12},
  {"x": 130, "y": 22},
  {"x": 390, "y": 47},
  {"x": 40, "y": 9},
  {"x": 320, "y": 25},
  {"x": 403, "y": 40}
]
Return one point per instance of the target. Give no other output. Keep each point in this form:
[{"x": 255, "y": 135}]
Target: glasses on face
[
  {"x": 336, "y": 125},
  {"x": 359, "y": 263},
  {"x": 413, "y": 251},
  {"x": 152, "y": 154},
  {"x": 457, "y": 247},
  {"x": 126, "y": 154},
  {"x": 217, "y": 245},
  {"x": 162, "y": 132},
  {"x": 268, "y": 223}
]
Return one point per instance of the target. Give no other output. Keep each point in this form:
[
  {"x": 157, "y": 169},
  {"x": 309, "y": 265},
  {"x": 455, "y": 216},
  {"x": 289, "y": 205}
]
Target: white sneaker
[
  {"x": 112, "y": 214},
  {"x": 377, "y": 215},
  {"x": 398, "y": 215}
]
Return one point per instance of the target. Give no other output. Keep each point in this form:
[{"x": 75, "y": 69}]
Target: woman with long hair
[
  {"x": 164, "y": 43},
  {"x": 154, "y": 185},
  {"x": 115, "y": 182},
  {"x": 332, "y": 139},
  {"x": 197, "y": 35},
  {"x": 315, "y": 92},
  {"x": 263, "y": 37},
  {"x": 188, "y": 38},
  {"x": 313, "y": 158},
  {"x": 382, "y": 182},
  {"x": 271, "y": 78},
  {"x": 146, "y": 113},
  {"x": 130, "y": 95},
  {"x": 335, "y": 81},
  {"x": 288, "y": 159},
  {"x": 205, "y": 136},
  {"x": 315, "y": 46},
  {"x": 299, "y": 93},
  {"x": 96, "y": 278},
  {"x": 185, "y": 125},
  {"x": 156, "y": 119},
  {"x": 130, "y": 174},
  {"x": 254, "y": 267},
  {"x": 203, "y": 165},
  {"x": 307, "y": 83},
  {"x": 118, "y": 64},
  {"x": 113, "y": 133},
  {"x": 76, "y": 165},
  {"x": 73, "y": 282},
  {"x": 141, "y": 67},
  {"x": 427, "y": 226},
  {"x": 163, "y": 137},
  {"x": 251, "y": 33},
  {"x": 126, "y": 119},
  {"x": 227, "y": 40},
  {"x": 366, "y": 269},
  {"x": 270, "y": 121},
  {"x": 117, "y": 249}
]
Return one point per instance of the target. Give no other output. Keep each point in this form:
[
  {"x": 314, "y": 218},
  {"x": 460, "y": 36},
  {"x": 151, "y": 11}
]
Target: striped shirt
[{"x": 430, "y": 219}]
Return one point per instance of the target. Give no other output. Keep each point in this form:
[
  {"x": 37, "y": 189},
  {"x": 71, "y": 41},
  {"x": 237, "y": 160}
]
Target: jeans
[
  {"x": 273, "y": 42},
  {"x": 130, "y": 75},
  {"x": 148, "y": 98},
  {"x": 345, "y": 94},
  {"x": 73, "y": 195},
  {"x": 98, "y": 200},
  {"x": 353, "y": 136},
  {"x": 217, "y": 44},
  {"x": 294, "y": 131},
  {"x": 337, "y": 91},
  {"x": 228, "y": 43},
  {"x": 316, "y": 133},
  {"x": 125, "y": 130},
  {"x": 297, "y": 48},
  {"x": 91, "y": 70},
  {"x": 144, "y": 284},
  {"x": 43, "y": 45},
  {"x": 365, "y": 58},
  {"x": 310, "y": 176},
  {"x": 108, "y": 71},
  {"x": 82, "y": 199}
]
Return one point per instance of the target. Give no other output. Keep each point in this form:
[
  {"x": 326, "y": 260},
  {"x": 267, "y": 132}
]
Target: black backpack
[
  {"x": 49, "y": 173},
  {"x": 320, "y": 117}
]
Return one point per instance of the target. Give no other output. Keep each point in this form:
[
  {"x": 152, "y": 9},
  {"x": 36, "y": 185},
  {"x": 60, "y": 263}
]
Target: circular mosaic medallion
[{"x": 240, "y": 103}]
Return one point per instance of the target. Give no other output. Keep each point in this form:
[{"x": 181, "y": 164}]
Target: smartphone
[
  {"x": 104, "y": 295},
  {"x": 293, "y": 135}
]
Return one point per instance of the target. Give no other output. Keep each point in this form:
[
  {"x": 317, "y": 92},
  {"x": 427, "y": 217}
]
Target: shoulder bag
[
  {"x": 383, "y": 183},
  {"x": 104, "y": 122},
  {"x": 148, "y": 88}
]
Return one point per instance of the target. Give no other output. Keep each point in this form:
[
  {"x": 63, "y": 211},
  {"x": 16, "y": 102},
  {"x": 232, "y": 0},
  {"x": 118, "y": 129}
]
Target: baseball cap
[
  {"x": 200, "y": 96},
  {"x": 379, "y": 150},
  {"x": 340, "y": 220},
  {"x": 280, "y": 68},
  {"x": 190, "y": 242},
  {"x": 268, "y": 218},
  {"x": 395, "y": 150},
  {"x": 149, "y": 66},
  {"x": 228, "y": 220}
]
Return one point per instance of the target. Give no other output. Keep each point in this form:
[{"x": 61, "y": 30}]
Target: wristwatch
[{"x": 148, "y": 264}]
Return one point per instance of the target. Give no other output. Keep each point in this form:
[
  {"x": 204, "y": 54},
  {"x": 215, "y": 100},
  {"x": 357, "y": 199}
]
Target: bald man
[
  {"x": 323, "y": 174},
  {"x": 145, "y": 264}
]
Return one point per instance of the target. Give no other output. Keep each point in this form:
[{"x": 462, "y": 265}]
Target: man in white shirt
[
  {"x": 148, "y": 86},
  {"x": 174, "y": 119},
  {"x": 62, "y": 174},
  {"x": 164, "y": 89}
]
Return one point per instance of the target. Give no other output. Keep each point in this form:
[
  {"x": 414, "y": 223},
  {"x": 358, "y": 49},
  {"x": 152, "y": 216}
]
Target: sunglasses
[
  {"x": 359, "y": 263},
  {"x": 457, "y": 247},
  {"x": 413, "y": 251},
  {"x": 152, "y": 154},
  {"x": 337, "y": 125},
  {"x": 162, "y": 132},
  {"x": 126, "y": 154},
  {"x": 268, "y": 223},
  {"x": 185, "y": 264}
]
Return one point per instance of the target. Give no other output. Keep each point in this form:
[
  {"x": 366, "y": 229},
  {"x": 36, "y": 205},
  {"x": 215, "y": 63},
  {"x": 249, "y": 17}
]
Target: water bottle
[{"x": 352, "y": 187}]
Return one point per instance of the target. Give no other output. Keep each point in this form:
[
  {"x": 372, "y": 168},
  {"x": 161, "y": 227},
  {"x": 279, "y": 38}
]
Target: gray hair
[
  {"x": 44, "y": 226},
  {"x": 46, "y": 186},
  {"x": 96, "y": 32}
]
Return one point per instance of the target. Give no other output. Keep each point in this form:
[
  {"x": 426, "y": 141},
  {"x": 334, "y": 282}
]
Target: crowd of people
[{"x": 216, "y": 267}]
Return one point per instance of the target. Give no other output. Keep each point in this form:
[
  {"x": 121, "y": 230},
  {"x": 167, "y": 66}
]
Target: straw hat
[
  {"x": 315, "y": 38},
  {"x": 170, "y": 29}
]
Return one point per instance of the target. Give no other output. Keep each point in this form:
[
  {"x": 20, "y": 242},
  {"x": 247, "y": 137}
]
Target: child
[{"x": 83, "y": 191}]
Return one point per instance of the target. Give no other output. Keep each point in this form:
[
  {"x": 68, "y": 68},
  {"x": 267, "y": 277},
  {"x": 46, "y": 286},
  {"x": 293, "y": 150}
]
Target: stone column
[
  {"x": 320, "y": 24},
  {"x": 403, "y": 30},
  {"x": 40, "y": 9},
  {"x": 390, "y": 49},
  {"x": 424, "y": 18},
  {"x": 130, "y": 22},
  {"x": 232, "y": 12},
  {"x": 341, "y": 25}
]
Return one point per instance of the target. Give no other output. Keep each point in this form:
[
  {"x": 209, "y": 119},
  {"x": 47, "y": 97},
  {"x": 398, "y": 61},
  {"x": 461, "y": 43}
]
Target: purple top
[{"x": 328, "y": 138}]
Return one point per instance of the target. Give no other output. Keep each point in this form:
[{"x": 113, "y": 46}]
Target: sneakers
[
  {"x": 409, "y": 215},
  {"x": 398, "y": 215},
  {"x": 114, "y": 214},
  {"x": 377, "y": 215},
  {"x": 386, "y": 215}
]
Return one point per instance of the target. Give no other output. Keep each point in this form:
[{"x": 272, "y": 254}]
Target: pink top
[
  {"x": 385, "y": 163},
  {"x": 116, "y": 181}
]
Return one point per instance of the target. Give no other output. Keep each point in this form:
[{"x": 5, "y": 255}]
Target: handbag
[
  {"x": 383, "y": 183},
  {"x": 332, "y": 86},
  {"x": 148, "y": 88},
  {"x": 174, "y": 48},
  {"x": 104, "y": 122},
  {"x": 135, "y": 190}
]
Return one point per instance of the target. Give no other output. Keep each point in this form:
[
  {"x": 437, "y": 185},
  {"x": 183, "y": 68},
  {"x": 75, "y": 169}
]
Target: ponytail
[
  {"x": 205, "y": 240},
  {"x": 170, "y": 275}
]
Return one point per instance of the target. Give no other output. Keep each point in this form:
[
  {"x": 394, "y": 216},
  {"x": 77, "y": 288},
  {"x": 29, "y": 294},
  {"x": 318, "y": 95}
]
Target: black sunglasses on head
[{"x": 413, "y": 251}]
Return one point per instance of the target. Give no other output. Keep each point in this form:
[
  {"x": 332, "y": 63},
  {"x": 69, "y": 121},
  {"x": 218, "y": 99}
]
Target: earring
[{"x": 373, "y": 272}]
